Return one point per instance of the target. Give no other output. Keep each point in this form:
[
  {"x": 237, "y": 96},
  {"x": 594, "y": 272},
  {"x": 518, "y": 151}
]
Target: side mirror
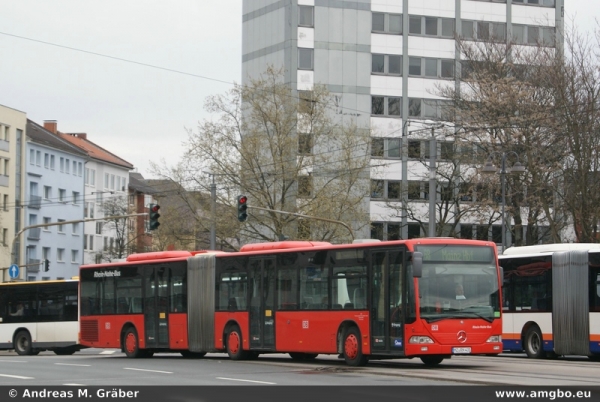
[{"x": 417, "y": 264}]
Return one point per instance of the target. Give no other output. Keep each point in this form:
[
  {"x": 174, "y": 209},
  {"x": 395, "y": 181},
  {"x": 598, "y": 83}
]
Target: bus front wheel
[
  {"x": 432, "y": 361},
  {"x": 234, "y": 344},
  {"x": 534, "y": 345},
  {"x": 131, "y": 344},
  {"x": 353, "y": 348},
  {"x": 22, "y": 343}
]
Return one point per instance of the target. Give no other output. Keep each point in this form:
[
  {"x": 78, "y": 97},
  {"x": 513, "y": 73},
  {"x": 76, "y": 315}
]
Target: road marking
[
  {"x": 13, "y": 361},
  {"x": 152, "y": 371},
  {"x": 17, "y": 376},
  {"x": 75, "y": 385},
  {"x": 70, "y": 364},
  {"x": 239, "y": 379},
  {"x": 108, "y": 352}
]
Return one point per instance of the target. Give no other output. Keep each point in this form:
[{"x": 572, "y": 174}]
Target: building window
[
  {"x": 60, "y": 254},
  {"x": 305, "y": 102},
  {"x": 5, "y": 202},
  {"x": 62, "y": 195},
  {"x": 414, "y": 25},
  {"x": 304, "y": 186},
  {"x": 377, "y": 188},
  {"x": 89, "y": 210},
  {"x": 45, "y": 253},
  {"x": 385, "y": 147},
  {"x": 74, "y": 256},
  {"x": 52, "y": 162},
  {"x": 67, "y": 164},
  {"x": 431, "y": 26},
  {"x": 47, "y": 220},
  {"x": 62, "y": 164},
  {"x": 75, "y": 197},
  {"x": 75, "y": 228},
  {"x": 61, "y": 228},
  {"x": 38, "y": 158},
  {"x": 306, "y": 16},
  {"x": 386, "y": 106},
  {"x": 99, "y": 226},
  {"x": 386, "y": 64},
  {"x": 305, "y": 144},
  {"x": 386, "y": 23},
  {"x": 385, "y": 230},
  {"x": 47, "y": 192},
  {"x": 46, "y": 161},
  {"x": 31, "y": 157},
  {"x": 305, "y": 58},
  {"x": 4, "y": 237}
]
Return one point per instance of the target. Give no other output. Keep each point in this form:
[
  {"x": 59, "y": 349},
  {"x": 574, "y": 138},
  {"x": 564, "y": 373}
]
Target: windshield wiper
[{"x": 485, "y": 317}]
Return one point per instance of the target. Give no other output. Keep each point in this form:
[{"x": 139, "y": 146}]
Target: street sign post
[{"x": 13, "y": 271}]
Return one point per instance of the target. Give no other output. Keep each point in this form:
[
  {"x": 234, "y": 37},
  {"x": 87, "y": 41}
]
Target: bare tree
[
  {"x": 286, "y": 153},
  {"x": 116, "y": 247}
]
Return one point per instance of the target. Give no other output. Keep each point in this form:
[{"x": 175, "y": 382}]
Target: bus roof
[{"x": 547, "y": 249}]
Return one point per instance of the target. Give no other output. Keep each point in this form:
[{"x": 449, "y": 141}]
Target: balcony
[
  {"x": 3, "y": 181},
  {"x": 35, "y": 201},
  {"x": 34, "y": 233},
  {"x": 33, "y": 265},
  {"x": 4, "y": 145}
]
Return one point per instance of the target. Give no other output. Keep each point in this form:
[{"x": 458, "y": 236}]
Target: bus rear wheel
[
  {"x": 353, "y": 354},
  {"x": 534, "y": 346},
  {"x": 131, "y": 345},
  {"x": 234, "y": 344},
  {"x": 22, "y": 343}
]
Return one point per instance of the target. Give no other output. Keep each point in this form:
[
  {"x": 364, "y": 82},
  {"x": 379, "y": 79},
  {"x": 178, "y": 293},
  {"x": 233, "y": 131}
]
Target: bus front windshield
[{"x": 459, "y": 289}]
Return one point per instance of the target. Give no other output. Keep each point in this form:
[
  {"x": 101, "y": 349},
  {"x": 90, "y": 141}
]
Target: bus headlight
[
  {"x": 494, "y": 339},
  {"x": 420, "y": 339}
]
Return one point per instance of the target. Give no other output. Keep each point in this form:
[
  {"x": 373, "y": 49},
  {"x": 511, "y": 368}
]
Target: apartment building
[
  {"x": 53, "y": 193},
  {"x": 13, "y": 124},
  {"x": 105, "y": 181},
  {"x": 383, "y": 60}
]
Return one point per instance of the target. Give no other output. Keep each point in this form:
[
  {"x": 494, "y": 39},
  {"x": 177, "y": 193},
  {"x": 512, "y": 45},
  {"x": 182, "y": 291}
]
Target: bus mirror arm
[{"x": 417, "y": 264}]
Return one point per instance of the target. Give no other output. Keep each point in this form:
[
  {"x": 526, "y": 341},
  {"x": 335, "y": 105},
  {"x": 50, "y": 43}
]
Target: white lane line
[
  {"x": 108, "y": 352},
  {"x": 239, "y": 379},
  {"x": 75, "y": 385},
  {"x": 70, "y": 364},
  {"x": 12, "y": 361},
  {"x": 17, "y": 376},
  {"x": 152, "y": 371}
]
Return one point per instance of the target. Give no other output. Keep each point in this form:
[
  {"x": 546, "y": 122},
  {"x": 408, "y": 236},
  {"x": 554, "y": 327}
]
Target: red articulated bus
[{"x": 427, "y": 298}]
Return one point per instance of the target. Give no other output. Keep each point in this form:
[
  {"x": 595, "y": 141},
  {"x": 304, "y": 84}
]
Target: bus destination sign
[{"x": 456, "y": 253}]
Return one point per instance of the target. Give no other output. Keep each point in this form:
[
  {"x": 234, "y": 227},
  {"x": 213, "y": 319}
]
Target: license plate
[{"x": 459, "y": 351}]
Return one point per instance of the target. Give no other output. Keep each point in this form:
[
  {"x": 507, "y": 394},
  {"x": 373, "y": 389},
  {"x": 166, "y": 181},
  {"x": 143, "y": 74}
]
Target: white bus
[
  {"x": 551, "y": 300},
  {"x": 38, "y": 316}
]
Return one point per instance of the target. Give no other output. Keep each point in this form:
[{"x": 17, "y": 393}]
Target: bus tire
[
  {"x": 352, "y": 347},
  {"x": 22, "y": 343},
  {"x": 234, "y": 344},
  {"x": 534, "y": 345},
  {"x": 131, "y": 344},
  {"x": 433, "y": 360},
  {"x": 192, "y": 355}
]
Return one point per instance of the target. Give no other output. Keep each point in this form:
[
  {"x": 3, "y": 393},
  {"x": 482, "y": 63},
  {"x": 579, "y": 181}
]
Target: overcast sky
[{"x": 51, "y": 67}]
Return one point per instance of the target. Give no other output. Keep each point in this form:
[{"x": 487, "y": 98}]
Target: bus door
[
  {"x": 387, "y": 314},
  {"x": 262, "y": 292},
  {"x": 156, "y": 307}
]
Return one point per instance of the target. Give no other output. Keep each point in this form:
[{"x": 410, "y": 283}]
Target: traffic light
[
  {"x": 46, "y": 265},
  {"x": 154, "y": 215},
  {"x": 242, "y": 207}
]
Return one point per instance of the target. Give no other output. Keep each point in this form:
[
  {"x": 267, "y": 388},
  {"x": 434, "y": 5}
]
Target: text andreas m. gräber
[{"x": 77, "y": 393}]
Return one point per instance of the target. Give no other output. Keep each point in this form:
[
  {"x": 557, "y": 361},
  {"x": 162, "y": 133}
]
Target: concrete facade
[{"x": 336, "y": 43}]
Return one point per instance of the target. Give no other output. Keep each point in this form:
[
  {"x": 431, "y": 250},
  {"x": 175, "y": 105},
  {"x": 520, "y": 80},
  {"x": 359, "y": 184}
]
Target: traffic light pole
[
  {"x": 44, "y": 225},
  {"x": 307, "y": 216}
]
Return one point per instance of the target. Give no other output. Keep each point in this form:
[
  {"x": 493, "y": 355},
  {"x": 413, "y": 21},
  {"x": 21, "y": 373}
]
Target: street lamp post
[{"x": 516, "y": 168}]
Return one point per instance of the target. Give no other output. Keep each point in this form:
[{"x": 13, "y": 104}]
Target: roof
[
  {"x": 139, "y": 184},
  {"x": 94, "y": 151},
  {"x": 39, "y": 135}
]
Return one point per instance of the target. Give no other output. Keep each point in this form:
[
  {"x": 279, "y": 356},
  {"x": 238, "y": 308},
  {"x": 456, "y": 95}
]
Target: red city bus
[{"x": 427, "y": 298}]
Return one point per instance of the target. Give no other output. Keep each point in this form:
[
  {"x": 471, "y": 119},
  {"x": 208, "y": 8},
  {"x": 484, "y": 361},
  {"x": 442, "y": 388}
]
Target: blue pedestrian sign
[{"x": 13, "y": 271}]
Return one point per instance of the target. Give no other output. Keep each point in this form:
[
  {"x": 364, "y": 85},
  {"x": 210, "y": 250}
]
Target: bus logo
[
  {"x": 461, "y": 336},
  {"x": 398, "y": 343},
  {"x": 305, "y": 324}
]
